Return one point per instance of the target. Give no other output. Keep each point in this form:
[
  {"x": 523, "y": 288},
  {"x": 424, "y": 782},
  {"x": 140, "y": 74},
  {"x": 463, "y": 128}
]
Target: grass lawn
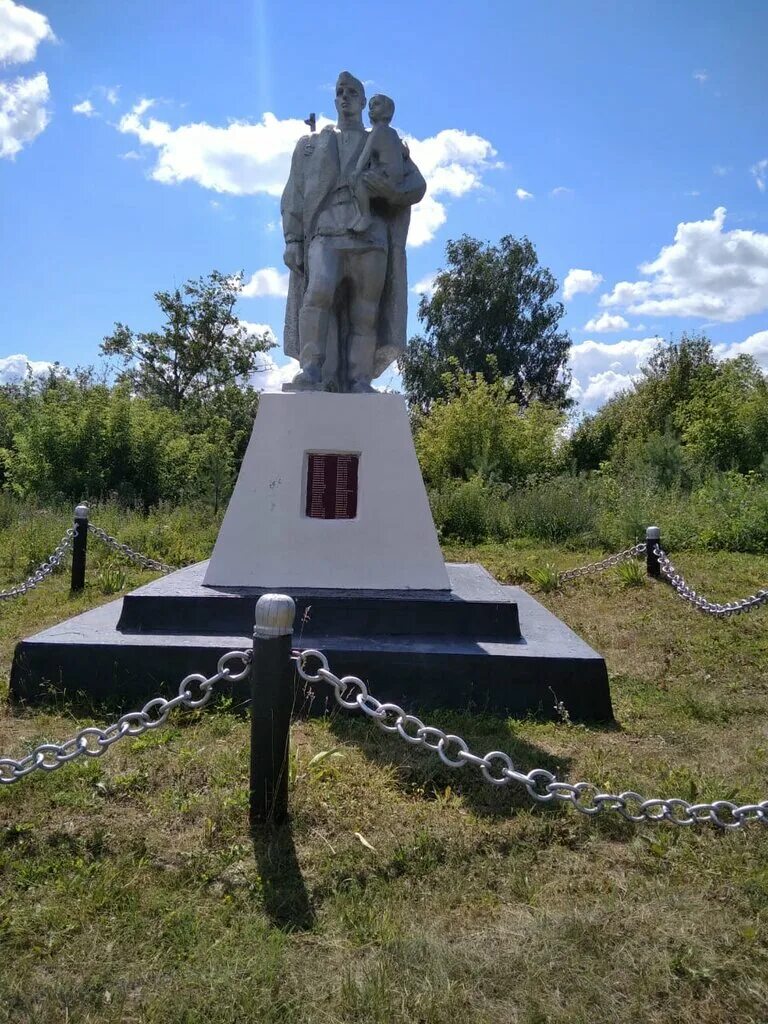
[{"x": 404, "y": 891}]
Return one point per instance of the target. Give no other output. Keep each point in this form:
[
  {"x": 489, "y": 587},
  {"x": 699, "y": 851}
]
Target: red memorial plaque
[{"x": 331, "y": 486}]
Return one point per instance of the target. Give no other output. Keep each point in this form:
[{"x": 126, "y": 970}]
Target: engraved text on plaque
[{"x": 331, "y": 486}]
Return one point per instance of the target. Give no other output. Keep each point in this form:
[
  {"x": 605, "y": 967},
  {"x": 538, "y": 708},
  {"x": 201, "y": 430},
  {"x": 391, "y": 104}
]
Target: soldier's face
[{"x": 349, "y": 101}]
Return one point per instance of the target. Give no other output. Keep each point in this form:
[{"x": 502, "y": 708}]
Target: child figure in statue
[{"x": 383, "y": 151}]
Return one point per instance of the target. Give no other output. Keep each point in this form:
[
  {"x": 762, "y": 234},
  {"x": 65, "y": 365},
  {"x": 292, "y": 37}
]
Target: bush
[
  {"x": 471, "y": 510},
  {"x": 479, "y": 432}
]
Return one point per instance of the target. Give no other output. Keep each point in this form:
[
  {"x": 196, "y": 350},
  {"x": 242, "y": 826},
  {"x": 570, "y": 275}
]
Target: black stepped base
[{"x": 481, "y": 646}]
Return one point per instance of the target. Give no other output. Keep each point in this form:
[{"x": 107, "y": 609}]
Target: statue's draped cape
[{"x": 315, "y": 171}]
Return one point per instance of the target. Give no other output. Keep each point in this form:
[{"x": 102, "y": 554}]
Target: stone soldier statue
[{"x": 345, "y": 318}]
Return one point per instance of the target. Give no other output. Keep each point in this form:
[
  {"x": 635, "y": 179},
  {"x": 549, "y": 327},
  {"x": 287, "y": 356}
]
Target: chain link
[
  {"x": 143, "y": 560},
  {"x": 605, "y": 563},
  {"x": 44, "y": 570},
  {"x": 670, "y": 573},
  {"x": 541, "y": 785},
  {"x": 195, "y": 691}
]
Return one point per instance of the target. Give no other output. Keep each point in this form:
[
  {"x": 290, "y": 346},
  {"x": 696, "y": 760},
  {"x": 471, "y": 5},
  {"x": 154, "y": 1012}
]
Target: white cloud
[
  {"x": 561, "y": 191},
  {"x": 759, "y": 172},
  {"x": 426, "y": 286},
  {"x": 14, "y": 369},
  {"x": 522, "y": 195},
  {"x": 267, "y": 281},
  {"x": 23, "y": 114},
  {"x": 244, "y": 158},
  {"x": 21, "y": 32},
  {"x": 706, "y": 272},
  {"x": 606, "y": 322},
  {"x": 270, "y": 376},
  {"x": 701, "y": 76},
  {"x": 111, "y": 94},
  {"x": 86, "y": 108},
  {"x": 599, "y": 388},
  {"x": 240, "y": 159},
  {"x": 721, "y": 170},
  {"x": 601, "y": 369},
  {"x": 132, "y": 154},
  {"x": 453, "y": 163},
  {"x": 580, "y": 281},
  {"x": 756, "y": 345},
  {"x": 259, "y": 329}
]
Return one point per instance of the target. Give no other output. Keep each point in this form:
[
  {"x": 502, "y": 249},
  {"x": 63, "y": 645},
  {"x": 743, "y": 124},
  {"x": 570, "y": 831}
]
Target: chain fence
[
  {"x": 45, "y": 568},
  {"x": 541, "y": 785},
  {"x": 93, "y": 741},
  {"x": 673, "y": 577},
  {"x": 124, "y": 549},
  {"x": 54, "y": 560},
  {"x": 606, "y": 563}
]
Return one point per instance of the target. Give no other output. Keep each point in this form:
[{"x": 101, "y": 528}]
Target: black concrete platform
[{"x": 481, "y": 646}]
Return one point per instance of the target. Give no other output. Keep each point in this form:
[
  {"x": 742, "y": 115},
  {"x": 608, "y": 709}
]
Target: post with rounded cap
[
  {"x": 79, "y": 548},
  {"x": 271, "y": 706},
  {"x": 652, "y": 540}
]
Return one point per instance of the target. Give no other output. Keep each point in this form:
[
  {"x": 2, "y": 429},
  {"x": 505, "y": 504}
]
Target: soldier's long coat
[{"x": 315, "y": 171}]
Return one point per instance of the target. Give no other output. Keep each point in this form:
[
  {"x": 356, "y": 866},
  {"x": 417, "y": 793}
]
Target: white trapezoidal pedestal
[{"x": 329, "y": 495}]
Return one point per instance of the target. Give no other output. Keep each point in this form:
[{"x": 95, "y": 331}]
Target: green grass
[{"x": 402, "y": 890}]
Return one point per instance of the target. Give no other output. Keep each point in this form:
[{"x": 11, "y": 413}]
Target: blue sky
[{"x": 144, "y": 143}]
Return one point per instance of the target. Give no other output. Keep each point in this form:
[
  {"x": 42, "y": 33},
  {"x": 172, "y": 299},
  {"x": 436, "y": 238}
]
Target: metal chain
[
  {"x": 93, "y": 741},
  {"x": 124, "y": 549},
  {"x": 541, "y": 785},
  {"x": 744, "y": 604},
  {"x": 606, "y": 563},
  {"x": 44, "y": 570}
]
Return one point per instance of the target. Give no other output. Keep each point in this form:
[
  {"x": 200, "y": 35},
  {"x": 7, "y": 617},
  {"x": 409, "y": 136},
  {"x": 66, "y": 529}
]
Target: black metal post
[
  {"x": 79, "y": 548},
  {"x": 652, "y": 538},
  {"x": 271, "y": 706}
]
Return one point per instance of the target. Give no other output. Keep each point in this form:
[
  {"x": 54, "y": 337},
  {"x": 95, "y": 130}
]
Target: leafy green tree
[
  {"x": 493, "y": 302},
  {"x": 477, "y": 432},
  {"x": 620, "y": 428},
  {"x": 724, "y": 424},
  {"x": 200, "y": 348}
]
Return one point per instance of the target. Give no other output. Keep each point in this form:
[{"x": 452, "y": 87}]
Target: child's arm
[{"x": 365, "y": 157}]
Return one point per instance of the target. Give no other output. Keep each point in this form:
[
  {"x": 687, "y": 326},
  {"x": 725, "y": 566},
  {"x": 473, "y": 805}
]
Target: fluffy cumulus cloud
[
  {"x": 453, "y": 163},
  {"x": 580, "y": 281},
  {"x": 706, "y": 272},
  {"x": 266, "y": 282},
  {"x": 23, "y": 112},
  {"x": 602, "y": 369},
  {"x": 522, "y": 195},
  {"x": 756, "y": 345},
  {"x": 14, "y": 369},
  {"x": 21, "y": 32},
  {"x": 245, "y": 158},
  {"x": 605, "y": 323}
]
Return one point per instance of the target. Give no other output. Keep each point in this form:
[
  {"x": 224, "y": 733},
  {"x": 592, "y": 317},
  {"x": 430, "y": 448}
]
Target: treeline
[
  {"x": 73, "y": 436},
  {"x": 686, "y": 445}
]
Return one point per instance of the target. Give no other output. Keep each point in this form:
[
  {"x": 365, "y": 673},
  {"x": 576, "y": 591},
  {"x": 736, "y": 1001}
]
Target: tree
[
  {"x": 477, "y": 432},
  {"x": 200, "y": 348},
  {"x": 492, "y": 301}
]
